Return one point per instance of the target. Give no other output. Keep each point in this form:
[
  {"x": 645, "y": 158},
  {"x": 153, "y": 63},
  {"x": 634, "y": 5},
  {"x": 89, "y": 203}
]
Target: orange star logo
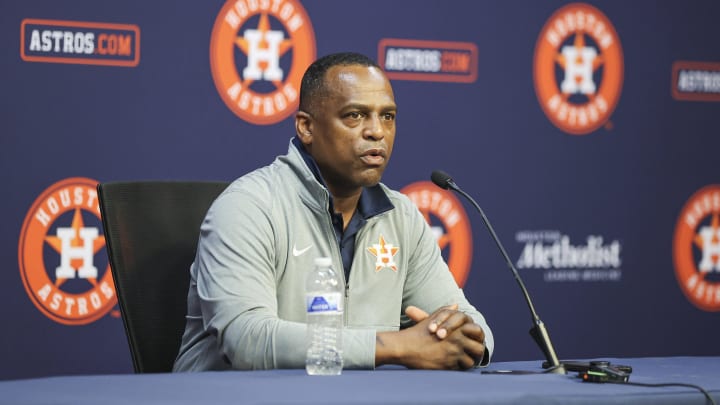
[
  {"x": 586, "y": 94},
  {"x": 384, "y": 253},
  {"x": 246, "y": 47},
  {"x": 449, "y": 225},
  {"x": 697, "y": 273},
  {"x": 579, "y": 45},
  {"x": 56, "y": 243},
  {"x": 263, "y": 28},
  {"x": 79, "y": 247}
]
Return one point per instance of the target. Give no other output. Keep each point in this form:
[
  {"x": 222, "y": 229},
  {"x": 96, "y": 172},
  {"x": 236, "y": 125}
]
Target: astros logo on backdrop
[
  {"x": 259, "y": 50},
  {"x": 79, "y": 42},
  {"x": 453, "y": 234},
  {"x": 578, "y": 68},
  {"x": 58, "y": 253},
  {"x": 696, "y": 249},
  {"x": 433, "y": 61}
]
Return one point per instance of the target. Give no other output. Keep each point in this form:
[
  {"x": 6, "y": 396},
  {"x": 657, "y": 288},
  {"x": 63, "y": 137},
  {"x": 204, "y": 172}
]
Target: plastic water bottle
[{"x": 324, "y": 304}]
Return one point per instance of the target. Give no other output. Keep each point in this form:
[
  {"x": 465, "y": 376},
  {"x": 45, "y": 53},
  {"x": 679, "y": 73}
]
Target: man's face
[{"x": 353, "y": 128}]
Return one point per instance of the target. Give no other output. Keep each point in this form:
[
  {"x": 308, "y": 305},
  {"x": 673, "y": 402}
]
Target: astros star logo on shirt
[{"x": 384, "y": 253}]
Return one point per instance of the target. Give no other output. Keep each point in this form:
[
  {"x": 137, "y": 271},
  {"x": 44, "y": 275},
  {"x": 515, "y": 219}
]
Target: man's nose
[{"x": 374, "y": 128}]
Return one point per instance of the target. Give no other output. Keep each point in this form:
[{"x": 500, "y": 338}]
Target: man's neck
[{"x": 346, "y": 205}]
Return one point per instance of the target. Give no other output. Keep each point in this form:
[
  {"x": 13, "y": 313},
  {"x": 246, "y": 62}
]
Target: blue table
[{"x": 382, "y": 386}]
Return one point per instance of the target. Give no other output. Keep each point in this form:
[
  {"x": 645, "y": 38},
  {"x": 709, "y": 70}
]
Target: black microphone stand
[{"x": 538, "y": 331}]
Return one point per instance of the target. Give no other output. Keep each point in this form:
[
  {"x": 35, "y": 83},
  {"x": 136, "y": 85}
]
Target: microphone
[{"x": 538, "y": 331}]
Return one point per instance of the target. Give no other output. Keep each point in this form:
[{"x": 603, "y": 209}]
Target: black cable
[{"x": 697, "y": 387}]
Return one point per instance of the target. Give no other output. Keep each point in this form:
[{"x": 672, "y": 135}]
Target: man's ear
[{"x": 304, "y": 127}]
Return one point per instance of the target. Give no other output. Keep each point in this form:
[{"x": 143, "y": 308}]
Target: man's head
[
  {"x": 313, "y": 86},
  {"x": 347, "y": 120}
]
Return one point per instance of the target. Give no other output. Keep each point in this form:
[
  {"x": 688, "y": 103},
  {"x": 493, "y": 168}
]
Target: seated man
[{"x": 324, "y": 198}]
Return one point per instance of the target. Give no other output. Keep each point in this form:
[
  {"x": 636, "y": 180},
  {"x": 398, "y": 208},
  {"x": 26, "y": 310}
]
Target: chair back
[{"x": 151, "y": 233}]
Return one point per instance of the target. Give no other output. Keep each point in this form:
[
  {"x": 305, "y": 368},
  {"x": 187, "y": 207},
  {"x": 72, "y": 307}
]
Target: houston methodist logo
[
  {"x": 59, "y": 253},
  {"x": 449, "y": 224},
  {"x": 578, "y": 68},
  {"x": 88, "y": 43},
  {"x": 595, "y": 259},
  {"x": 696, "y": 249},
  {"x": 259, "y": 50}
]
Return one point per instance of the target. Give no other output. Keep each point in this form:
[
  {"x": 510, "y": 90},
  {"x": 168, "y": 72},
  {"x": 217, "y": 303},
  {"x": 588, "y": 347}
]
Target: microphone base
[{"x": 559, "y": 369}]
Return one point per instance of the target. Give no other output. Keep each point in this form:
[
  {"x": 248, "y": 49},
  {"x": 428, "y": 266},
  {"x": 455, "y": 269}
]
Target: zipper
[
  {"x": 347, "y": 301},
  {"x": 338, "y": 259}
]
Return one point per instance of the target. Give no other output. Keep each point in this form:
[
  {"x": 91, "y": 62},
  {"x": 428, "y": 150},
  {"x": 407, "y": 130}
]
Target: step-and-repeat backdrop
[{"x": 587, "y": 131}]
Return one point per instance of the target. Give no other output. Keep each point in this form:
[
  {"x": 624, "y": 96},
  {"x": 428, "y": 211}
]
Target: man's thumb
[{"x": 415, "y": 313}]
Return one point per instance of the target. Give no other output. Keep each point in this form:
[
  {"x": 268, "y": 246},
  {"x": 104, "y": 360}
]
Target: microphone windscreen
[{"x": 441, "y": 179}]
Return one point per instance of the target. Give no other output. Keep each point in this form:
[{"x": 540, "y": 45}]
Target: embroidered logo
[
  {"x": 384, "y": 254},
  {"x": 299, "y": 252},
  {"x": 63, "y": 264},
  {"x": 696, "y": 249},
  {"x": 578, "y": 69},
  {"x": 259, "y": 51}
]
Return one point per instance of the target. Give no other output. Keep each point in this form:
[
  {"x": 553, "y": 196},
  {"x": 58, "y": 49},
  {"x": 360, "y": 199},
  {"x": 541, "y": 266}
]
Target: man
[{"x": 324, "y": 198}]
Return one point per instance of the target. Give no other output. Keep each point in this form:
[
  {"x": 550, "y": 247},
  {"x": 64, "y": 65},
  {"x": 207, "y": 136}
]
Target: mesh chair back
[{"x": 151, "y": 231}]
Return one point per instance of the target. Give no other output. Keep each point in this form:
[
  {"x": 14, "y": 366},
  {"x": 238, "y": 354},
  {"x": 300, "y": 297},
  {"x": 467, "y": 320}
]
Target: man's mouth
[{"x": 374, "y": 157}]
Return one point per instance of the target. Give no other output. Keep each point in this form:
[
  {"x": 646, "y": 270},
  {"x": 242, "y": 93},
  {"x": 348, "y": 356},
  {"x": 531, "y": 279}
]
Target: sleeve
[
  {"x": 236, "y": 281},
  {"x": 430, "y": 284}
]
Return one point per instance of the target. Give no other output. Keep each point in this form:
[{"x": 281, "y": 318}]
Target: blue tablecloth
[{"x": 383, "y": 386}]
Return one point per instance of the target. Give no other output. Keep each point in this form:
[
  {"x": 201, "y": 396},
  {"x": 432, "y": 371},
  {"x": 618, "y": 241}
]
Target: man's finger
[
  {"x": 474, "y": 332},
  {"x": 455, "y": 320},
  {"x": 416, "y": 314},
  {"x": 440, "y": 316}
]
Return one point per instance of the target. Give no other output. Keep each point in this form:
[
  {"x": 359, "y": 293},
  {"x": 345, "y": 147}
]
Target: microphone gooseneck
[{"x": 538, "y": 330}]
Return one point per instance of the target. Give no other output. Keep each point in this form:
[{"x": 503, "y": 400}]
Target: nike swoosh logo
[{"x": 297, "y": 252}]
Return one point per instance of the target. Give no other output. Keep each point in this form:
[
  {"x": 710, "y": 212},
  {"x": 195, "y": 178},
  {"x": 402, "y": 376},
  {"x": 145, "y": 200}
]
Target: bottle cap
[{"x": 323, "y": 261}]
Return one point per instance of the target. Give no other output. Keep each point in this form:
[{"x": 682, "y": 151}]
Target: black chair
[{"x": 151, "y": 232}]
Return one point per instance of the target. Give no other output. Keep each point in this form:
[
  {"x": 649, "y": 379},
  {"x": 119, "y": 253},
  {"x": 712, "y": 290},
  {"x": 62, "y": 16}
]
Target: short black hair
[{"x": 313, "y": 81}]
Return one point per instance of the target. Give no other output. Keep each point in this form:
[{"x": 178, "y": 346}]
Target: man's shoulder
[
  {"x": 257, "y": 187},
  {"x": 265, "y": 179}
]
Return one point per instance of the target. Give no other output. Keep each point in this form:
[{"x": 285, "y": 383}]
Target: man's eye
[
  {"x": 389, "y": 116},
  {"x": 355, "y": 115}
]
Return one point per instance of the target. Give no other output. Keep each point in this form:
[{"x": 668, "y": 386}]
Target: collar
[{"x": 373, "y": 200}]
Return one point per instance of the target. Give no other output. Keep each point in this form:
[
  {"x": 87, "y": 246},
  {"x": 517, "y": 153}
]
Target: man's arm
[{"x": 430, "y": 286}]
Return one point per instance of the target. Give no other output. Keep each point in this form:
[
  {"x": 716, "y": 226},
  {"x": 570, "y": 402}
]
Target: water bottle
[{"x": 324, "y": 304}]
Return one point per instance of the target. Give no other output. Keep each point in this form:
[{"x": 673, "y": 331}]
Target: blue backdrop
[{"x": 613, "y": 225}]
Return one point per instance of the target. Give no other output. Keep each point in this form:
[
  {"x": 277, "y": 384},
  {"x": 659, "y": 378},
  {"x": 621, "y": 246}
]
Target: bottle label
[{"x": 328, "y": 303}]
